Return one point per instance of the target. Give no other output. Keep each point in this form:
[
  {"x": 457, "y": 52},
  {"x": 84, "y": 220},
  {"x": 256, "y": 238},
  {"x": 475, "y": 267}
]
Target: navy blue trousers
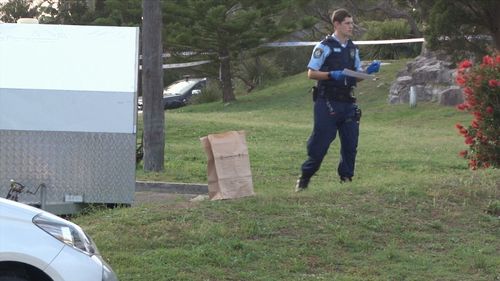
[{"x": 330, "y": 117}]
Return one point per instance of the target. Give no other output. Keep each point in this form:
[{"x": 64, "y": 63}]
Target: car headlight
[
  {"x": 107, "y": 273},
  {"x": 66, "y": 232}
]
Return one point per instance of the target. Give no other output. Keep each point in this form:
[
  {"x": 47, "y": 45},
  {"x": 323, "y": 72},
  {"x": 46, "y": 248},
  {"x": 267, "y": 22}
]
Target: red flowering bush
[{"x": 481, "y": 88}]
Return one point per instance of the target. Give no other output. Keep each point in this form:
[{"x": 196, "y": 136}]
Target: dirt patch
[{"x": 142, "y": 197}]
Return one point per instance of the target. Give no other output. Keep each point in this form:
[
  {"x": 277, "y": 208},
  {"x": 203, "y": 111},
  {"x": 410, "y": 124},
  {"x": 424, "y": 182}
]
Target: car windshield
[{"x": 178, "y": 88}]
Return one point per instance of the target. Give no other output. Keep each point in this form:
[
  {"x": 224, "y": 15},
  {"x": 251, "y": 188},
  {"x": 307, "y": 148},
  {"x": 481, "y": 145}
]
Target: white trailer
[{"x": 68, "y": 113}]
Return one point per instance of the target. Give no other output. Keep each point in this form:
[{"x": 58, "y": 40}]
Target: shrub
[
  {"x": 208, "y": 94},
  {"x": 481, "y": 88},
  {"x": 257, "y": 70},
  {"x": 293, "y": 60},
  {"x": 385, "y": 30}
]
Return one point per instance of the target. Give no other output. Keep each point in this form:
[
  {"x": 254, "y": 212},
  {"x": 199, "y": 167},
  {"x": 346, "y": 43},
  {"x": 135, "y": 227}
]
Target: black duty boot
[
  {"x": 345, "y": 179},
  {"x": 302, "y": 184}
]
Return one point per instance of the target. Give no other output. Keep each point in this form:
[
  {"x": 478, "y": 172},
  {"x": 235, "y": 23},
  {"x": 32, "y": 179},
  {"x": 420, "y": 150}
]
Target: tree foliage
[
  {"x": 221, "y": 30},
  {"x": 385, "y": 30},
  {"x": 366, "y": 10},
  {"x": 119, "y": 12},
  {"x": 47, "y": 11},
  {"x": 382, "y": 10},
  {"x": 66, "y": 12},
  {"x": 13, "y": 10},
  {"x": 462, "y": 26}
]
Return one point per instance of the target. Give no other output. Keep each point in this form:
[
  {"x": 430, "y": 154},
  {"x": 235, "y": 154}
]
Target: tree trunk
[
  {"x": 493, "y": 18},
  {"x": 152, "y": 86},
  {"x": 225, "y": 77},
  {"x": 250, "y": 85},
  {"x": 496, "y": 37}
]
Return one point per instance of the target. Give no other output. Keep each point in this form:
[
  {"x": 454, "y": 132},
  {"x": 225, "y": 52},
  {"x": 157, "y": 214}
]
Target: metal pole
[
  {"x": 43, "y": 196},
  {"x": 413, "y": 97}
]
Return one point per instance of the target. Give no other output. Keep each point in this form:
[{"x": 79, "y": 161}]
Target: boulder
[
  {"x": 400, "y": 90},
  {"x": 451, "y": 96},
  {"x": 432, "y": 77}
]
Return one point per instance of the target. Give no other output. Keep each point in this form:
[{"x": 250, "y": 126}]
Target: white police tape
[
  {"x": 181, "y": 65},
  {"x": 364, "y": 42},
  {"x": 394, "y": 41},
  {"x": 291, "y": 44},
  {"x": 182, "y": 54},
  {"x": 186, "y": 64}
]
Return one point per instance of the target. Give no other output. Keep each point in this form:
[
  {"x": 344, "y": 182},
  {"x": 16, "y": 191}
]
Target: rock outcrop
[{"x": 433, "y": 78}]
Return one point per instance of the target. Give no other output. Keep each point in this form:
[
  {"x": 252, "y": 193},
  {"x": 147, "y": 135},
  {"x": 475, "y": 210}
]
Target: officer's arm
[
  {"x": 318, "y": 57},
  {"x": 317, "y": 75}
]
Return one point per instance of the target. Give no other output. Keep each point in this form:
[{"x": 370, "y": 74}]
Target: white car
[{"x": 38, "y": 246}]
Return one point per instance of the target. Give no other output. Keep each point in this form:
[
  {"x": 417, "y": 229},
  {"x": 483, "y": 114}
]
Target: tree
[
  {"x": 66, "y": 12},
  {"x": 152, "y": 79},
  {"x": 16, "y": 9},
  {"x": 119, "y": 12},
  {"x": 461, "y": 26},
  {"x": 222, "y": 29},
  {"x": 47, "y": 11},
  {"x": 372, "y": 10},
  {"x": 392, "y": 9}
]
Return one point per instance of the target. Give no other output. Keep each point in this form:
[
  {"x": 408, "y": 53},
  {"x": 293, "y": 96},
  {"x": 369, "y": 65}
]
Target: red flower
[
  {"x": 488, "y": 60},
  {"x": 468, "y": 91},
  {"x": 463, "y": 132},
  {"x": 478, "y": 81},
  {"x": 463, "y": 153},
  {"x": 461, "y": 129},
  {"x": 471, "y": 101},
  {"x": 460, "y": 80},
  {"x": 461, "y": 106},
  {"x": 480, "y": 85},
  {"x": 473, "y": 164},
  {"x": 465, "y": 64},
  {"x": 475, "y": 124}
]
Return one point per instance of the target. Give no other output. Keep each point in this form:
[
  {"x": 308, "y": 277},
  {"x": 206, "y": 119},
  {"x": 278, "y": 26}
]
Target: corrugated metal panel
[{"x": 98, "y": 166}]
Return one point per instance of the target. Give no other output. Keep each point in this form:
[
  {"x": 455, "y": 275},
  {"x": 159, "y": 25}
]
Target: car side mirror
[{"x": 196, "y": 92}]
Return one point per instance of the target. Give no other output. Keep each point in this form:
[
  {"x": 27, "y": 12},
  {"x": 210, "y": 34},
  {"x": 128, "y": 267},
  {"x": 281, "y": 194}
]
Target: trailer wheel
[{"x": 12, "y": 278}]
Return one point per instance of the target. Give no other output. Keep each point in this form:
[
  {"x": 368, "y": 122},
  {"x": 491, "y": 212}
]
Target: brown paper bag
[{"x": 228, "y": 167}]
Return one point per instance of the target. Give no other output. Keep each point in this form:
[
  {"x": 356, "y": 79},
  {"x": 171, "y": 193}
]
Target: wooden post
[{"x": 152, "y": 86}]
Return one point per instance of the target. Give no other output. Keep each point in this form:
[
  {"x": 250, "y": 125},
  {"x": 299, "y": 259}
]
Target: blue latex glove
[
  {"x": 373, "y": 67},
  {"x": 337, "y": 75}
]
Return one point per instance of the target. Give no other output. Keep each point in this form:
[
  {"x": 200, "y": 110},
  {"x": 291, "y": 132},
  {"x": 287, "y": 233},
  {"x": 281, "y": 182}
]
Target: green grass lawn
[{"x": 413, "y": 212}]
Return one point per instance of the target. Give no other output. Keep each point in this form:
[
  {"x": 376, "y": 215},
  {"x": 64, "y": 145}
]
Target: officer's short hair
[{"x": 339, "y": 15}]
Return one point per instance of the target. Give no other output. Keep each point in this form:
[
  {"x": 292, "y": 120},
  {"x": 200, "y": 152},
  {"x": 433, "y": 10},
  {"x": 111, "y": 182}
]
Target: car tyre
[{"x": 12, "y": 278}]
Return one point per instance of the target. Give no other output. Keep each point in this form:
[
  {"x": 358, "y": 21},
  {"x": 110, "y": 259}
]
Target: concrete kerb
[{"x": 168, "y": 187}]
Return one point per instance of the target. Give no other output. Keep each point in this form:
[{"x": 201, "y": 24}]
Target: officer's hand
[
  {"x": 373, "y": 67},
  {"x": 337, "y": 75}
]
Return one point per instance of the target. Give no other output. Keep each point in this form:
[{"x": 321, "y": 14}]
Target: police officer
[{"x": 335, "y": 107}]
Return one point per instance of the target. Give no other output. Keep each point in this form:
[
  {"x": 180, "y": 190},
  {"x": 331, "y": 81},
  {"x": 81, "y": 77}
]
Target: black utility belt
[{"x": 338, "y": 94}]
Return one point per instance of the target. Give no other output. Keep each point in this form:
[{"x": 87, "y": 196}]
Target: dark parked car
[{"x": 180, "y": 92}]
